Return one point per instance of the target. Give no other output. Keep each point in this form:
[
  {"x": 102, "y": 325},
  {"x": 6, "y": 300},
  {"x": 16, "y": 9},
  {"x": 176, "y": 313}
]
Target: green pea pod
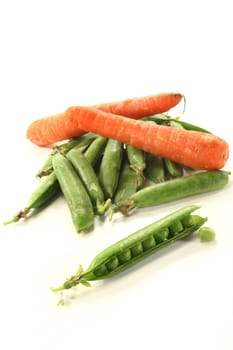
[
  {"x": 134, "y": 248},
  {"x": 127, "y": 184},
  {"x": 75, "y": 194},
  {"x": 82, "y": 141},
  {"x": 155, "y": 170},
  {"x": 174, "y": 169},
  {"x": 95, "y": 150},
  {"x": 46, "y": 191},
  {"x": 110, "y": 167},
  {"x": 175, "y": 189},
  {"x": 166, "y": 120},
  {"x": 89, "y": 179},
  {"x": 137, "y": 162}
]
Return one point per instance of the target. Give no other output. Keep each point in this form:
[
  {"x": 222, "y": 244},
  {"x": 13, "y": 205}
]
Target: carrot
[
  {"x": 135, "y": 108},
  {"x": 194, "y": 149},
  {"x": 140, "y": 107}
]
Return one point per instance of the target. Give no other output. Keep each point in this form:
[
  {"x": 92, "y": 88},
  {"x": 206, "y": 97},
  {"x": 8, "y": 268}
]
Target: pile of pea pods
[{"x": 100, "y": 176}]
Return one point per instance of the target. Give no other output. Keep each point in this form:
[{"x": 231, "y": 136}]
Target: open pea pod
[{"x": 132, "y": 249}]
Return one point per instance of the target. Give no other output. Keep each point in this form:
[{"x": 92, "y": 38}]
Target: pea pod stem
[{"x": 132, "y": 249}]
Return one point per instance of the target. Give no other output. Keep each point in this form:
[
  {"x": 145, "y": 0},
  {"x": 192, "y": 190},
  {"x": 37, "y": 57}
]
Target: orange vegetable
[
  {"x": 191, "y": 148},
  {"x": 55, "y": 128}
]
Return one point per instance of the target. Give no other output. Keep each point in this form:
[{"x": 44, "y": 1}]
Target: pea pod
[
  {"x": 89, "y": 179},
  {"x": 137, "y": 162},
  {"x": 110, "y": 166},
  {"x": 175, "y": 189},
  {"x": 95, "y": 149},
  {"x": 76, "y": 196},
  {"x": 132, "y": 249},
  {"x": 47, "y": 190},
  {"x": 165, "y": 119},
  {"x": 155, "y": 170},
  {"x": 82, "y": 141},
  {"x": 127, "y": 184}
]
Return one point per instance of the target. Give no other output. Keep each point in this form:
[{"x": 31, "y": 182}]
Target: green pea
[
  {"x": 186, "y": 186},
  {"x": 82, "y": 141},
  {"x": 137, "y": 163},
  {"x": 155, "y": 170},
  {"x": 110, "y": 166},
  {"x": 76, "y": 196},
  {"x": 206, "y": 234},
  {"x": 94, "y": 151},
  {"x": 89, "y": 179},
  {"x": 46, "y": 191}
]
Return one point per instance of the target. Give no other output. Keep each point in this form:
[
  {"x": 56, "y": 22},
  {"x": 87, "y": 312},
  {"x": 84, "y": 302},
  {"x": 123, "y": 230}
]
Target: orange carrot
[
  {"x": 140, "y": 107},
  {"x": 191, "y": 148},
  {"x": 135, "y": 108}
]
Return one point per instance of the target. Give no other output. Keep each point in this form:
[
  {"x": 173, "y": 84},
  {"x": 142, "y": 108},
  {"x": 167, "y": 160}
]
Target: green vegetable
[
  {"x": 95, "y": 149},
  {"x": 76, "y": 196},
  {"x": 82, "y": 141},
  {"x": 89, "y": 179},
  {"x": 206, "y": 234},
  {"x": 137, "y": 162},
  {"x": 185, "y": 186},
  {"x": 132, "y": 249},
  {"x": 110, "y": 167},
  {"x": 47, "y": 190}
]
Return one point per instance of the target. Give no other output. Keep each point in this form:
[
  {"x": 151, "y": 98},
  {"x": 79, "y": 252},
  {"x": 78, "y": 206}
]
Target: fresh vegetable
[
  {"x": 82, "y": 142},
  {"x": 76, "y": 196},
  {"x": 191, "y": 148},
  {"x": 155, "y": 169},
  {"x": 137, "y": 162},
  {"x": 206, "y": 234},
  {"x": 47, "y": 190},
  {"x": 167, "y": 120},
  {"x": 140, "y": 107},
  {"x": 89, "y": 179},
  {"x": 64, "y": 126},
  {"x": 95, "y": 150},
  {"x": 175, "y": 189},
  {"x": 132, "y": 249},
  {"x": 110, "y": 167}
]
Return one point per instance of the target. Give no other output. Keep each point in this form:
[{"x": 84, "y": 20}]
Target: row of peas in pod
[{"x": 99, "y": 176}]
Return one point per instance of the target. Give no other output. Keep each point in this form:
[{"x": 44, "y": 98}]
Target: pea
[
  {"x": 155, "y": 169},
  {"x": 130, "y": 250},
  {"x": 186, "y": 186},
  {"x": 76, "y": 196},
  {"x": 46, "y": 191},
  {"x": 89, "y": 179},
  {"x": 82, "y": 141},
  {"x": 206, "y": 234},
  {"x": 137, "y": 163},
  {"x": 95, "y": 150},
  {"x": 110, "y": 166}
]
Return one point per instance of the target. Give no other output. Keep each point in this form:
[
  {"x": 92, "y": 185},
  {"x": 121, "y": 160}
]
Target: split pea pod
[
  {"x": 137, "y": 162},
  {"x": 110, "y": 167},
  {"x": 47, "y": 190},
  {"x": 75, "y": 194},
  {"x": 175, "y": 189},
  {"x": 89, "y": 179},
  {"x": 132, "y": 249}
]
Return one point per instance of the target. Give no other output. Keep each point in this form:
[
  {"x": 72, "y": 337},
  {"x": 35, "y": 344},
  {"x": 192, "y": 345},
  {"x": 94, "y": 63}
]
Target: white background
[{"x": 54, "y": 54}]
